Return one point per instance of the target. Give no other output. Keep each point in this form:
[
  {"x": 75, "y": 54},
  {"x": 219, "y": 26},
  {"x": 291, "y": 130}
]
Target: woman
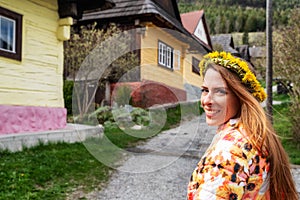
[{"x": 245, "y": 159}]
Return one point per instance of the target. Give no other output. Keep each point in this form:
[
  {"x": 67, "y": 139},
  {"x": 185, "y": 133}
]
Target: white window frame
[
  {"x": 162, "y": 57},
  {"x": 10, "y": 34},
  {"x": 168, "y": 56}
]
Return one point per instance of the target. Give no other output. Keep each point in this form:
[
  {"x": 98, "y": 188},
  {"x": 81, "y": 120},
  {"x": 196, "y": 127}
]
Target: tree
[
  {"x": 246, "y": 37},
  {"x": 286, "y": 63},
  {"x": 93, "y": 56}
]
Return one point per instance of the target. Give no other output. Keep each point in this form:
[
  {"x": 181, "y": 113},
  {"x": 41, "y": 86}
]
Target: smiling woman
[{"x": 246, "y": 159}]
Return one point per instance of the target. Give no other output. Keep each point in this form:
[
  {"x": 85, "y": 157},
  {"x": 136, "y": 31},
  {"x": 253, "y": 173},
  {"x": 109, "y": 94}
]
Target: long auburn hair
[{"x": 263, "y": 136}]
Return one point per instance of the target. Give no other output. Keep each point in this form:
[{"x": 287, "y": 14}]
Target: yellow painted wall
[
  {"x": 188, "y": 75},
  {"x": 150, "y": 70},
  {"x": 37, "y": 80}
]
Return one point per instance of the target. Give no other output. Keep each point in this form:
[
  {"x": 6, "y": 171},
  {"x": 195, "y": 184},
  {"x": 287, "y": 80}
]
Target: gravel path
[{"x": 160, "y": 168}]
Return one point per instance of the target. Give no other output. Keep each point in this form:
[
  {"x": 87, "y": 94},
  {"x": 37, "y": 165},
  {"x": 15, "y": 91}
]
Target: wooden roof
[
  {"x": 167, "y": 10},
  {"x": 163, "y": 13},
  {"x": 75, "y": 8}
]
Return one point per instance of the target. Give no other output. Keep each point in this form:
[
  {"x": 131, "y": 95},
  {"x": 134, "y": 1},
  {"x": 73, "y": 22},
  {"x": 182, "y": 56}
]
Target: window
[
  {"x": 10, "y": 34},
  {"x": 167, "y": 56},
  {"x": 195, "y": 66}
]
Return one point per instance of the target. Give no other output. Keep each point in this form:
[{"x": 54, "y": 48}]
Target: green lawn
[{"x": 49, "y": 172}]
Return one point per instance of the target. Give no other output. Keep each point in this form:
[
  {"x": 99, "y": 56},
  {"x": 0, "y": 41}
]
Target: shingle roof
[
  {"x": 226, "y": 41},
  {"x": 257, "y": 52},
  {"x": 127, "y": 8},
  {"x": 135, "y": 9}
]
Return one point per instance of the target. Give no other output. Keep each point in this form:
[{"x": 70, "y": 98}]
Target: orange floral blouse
[{"x": 230, "y": 168}]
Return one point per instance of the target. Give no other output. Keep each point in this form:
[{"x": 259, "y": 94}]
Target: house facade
[
  {"x": 31, "y": 63},
  {"x": 166, "y": 49}
]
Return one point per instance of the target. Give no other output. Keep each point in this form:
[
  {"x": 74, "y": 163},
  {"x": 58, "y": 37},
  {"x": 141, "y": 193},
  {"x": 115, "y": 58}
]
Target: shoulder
[{"x": 236, "y": 142}]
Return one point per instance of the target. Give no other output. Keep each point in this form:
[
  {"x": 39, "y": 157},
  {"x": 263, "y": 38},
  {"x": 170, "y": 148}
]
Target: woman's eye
[
  {"x": 204, "y": 90},
  {"x": 221, "y": 91}
]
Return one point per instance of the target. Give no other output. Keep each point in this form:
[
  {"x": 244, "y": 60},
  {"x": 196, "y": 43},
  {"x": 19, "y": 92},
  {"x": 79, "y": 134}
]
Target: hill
[{"x": 228, "y": 16}]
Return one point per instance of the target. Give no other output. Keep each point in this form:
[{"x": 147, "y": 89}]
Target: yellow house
[
  {"x": 167, "y": 51},
  {"x": 31, "y": 63}
]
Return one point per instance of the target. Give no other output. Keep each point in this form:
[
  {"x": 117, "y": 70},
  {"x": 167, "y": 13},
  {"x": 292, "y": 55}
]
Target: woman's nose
[{"x": 207, "y": 98}]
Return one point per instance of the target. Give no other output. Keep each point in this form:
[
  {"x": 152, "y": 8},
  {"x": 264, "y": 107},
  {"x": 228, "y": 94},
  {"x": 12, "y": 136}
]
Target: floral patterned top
[{"x": 230, "y": 168}]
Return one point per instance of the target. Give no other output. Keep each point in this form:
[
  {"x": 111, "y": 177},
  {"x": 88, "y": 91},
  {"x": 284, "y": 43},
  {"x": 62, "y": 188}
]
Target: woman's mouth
[{"x": 211, "y": 113}]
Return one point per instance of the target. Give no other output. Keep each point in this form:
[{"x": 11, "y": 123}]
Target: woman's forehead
[{"x": 213, "y": 78}]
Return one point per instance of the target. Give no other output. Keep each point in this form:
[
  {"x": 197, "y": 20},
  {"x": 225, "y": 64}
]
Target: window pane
[
  {"x": 169, "y": 57},
  {"x": 7, "y": 34},
  {"x": 162, "y": 54}
]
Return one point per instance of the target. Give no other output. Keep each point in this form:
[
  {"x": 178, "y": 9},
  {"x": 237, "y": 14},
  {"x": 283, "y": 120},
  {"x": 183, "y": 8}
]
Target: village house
[
  {"x": 168, "y": 50},
  {"x": 32, "y": 33}
]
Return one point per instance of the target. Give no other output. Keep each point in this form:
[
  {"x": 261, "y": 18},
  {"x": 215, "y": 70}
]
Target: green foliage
[
  {"x": 117, "y": 116},
  {"x": 246, "y": 37},
  {"x": 102, "y": 114},
  {"x": 284, "y": 127},
  {"x": 286, "y": 63},
  {"x": 122, "y": 95},
  {"x": 68, "y": 92},
  {"x": 227, "y": 16},
  {"x": 140, "y": 116}
]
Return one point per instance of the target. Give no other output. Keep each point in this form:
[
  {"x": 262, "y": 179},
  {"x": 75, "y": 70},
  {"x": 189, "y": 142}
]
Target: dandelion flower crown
[{"x": 239, "y": 67}]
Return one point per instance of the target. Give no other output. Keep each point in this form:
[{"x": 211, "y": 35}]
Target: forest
[{"x": 228, "y": 16}]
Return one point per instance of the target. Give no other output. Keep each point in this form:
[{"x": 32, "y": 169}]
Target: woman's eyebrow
[
  {"x": 220, "y": 88},
  {"x": 215, "y": 88}
]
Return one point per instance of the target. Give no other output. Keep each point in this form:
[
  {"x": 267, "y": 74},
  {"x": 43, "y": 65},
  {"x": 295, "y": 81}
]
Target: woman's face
[{"x": 218, "y": 101}]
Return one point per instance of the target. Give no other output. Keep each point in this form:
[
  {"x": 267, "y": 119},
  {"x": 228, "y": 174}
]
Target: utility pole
[{"x": 269, "y": 56}]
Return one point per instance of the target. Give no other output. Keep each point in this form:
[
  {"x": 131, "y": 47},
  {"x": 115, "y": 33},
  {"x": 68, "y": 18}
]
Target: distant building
[{"x": 226, "y": 42}]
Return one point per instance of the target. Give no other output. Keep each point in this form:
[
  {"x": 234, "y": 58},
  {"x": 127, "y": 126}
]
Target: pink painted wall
[{"x": 19, "y": 119}]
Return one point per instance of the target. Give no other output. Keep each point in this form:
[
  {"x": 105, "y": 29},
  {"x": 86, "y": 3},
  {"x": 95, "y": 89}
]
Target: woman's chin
[{"x": 211, "y": 122}]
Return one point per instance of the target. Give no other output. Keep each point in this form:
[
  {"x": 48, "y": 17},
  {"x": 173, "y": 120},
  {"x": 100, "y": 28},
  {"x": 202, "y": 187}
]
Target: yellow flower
[{"x": 239, "y": 67}]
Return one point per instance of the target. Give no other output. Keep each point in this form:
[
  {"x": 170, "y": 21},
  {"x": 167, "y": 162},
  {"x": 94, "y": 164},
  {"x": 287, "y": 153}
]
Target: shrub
[
  {"x": 122, "y": 95},
  {"x": 102, "y": 114},
  {"x": 68, "y": 92}
]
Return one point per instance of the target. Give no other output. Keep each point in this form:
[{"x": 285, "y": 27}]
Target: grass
[
  {"x": 49, "y": 172},
  {"x": 55, "y": 171},
  {"x": 283, "y": 127}
]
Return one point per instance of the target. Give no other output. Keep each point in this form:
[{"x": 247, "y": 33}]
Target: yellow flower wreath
[{"x": 239, "y": 67}]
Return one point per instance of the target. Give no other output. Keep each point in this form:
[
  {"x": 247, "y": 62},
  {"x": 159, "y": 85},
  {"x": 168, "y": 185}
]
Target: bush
[
  {"x": 107, "y": 115},
  {"x": 140, "y": 116},
  {"x": 122, "y": 96},
  {"x": 68, "y": 92},
  {"x": 102, "y": 114}
]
